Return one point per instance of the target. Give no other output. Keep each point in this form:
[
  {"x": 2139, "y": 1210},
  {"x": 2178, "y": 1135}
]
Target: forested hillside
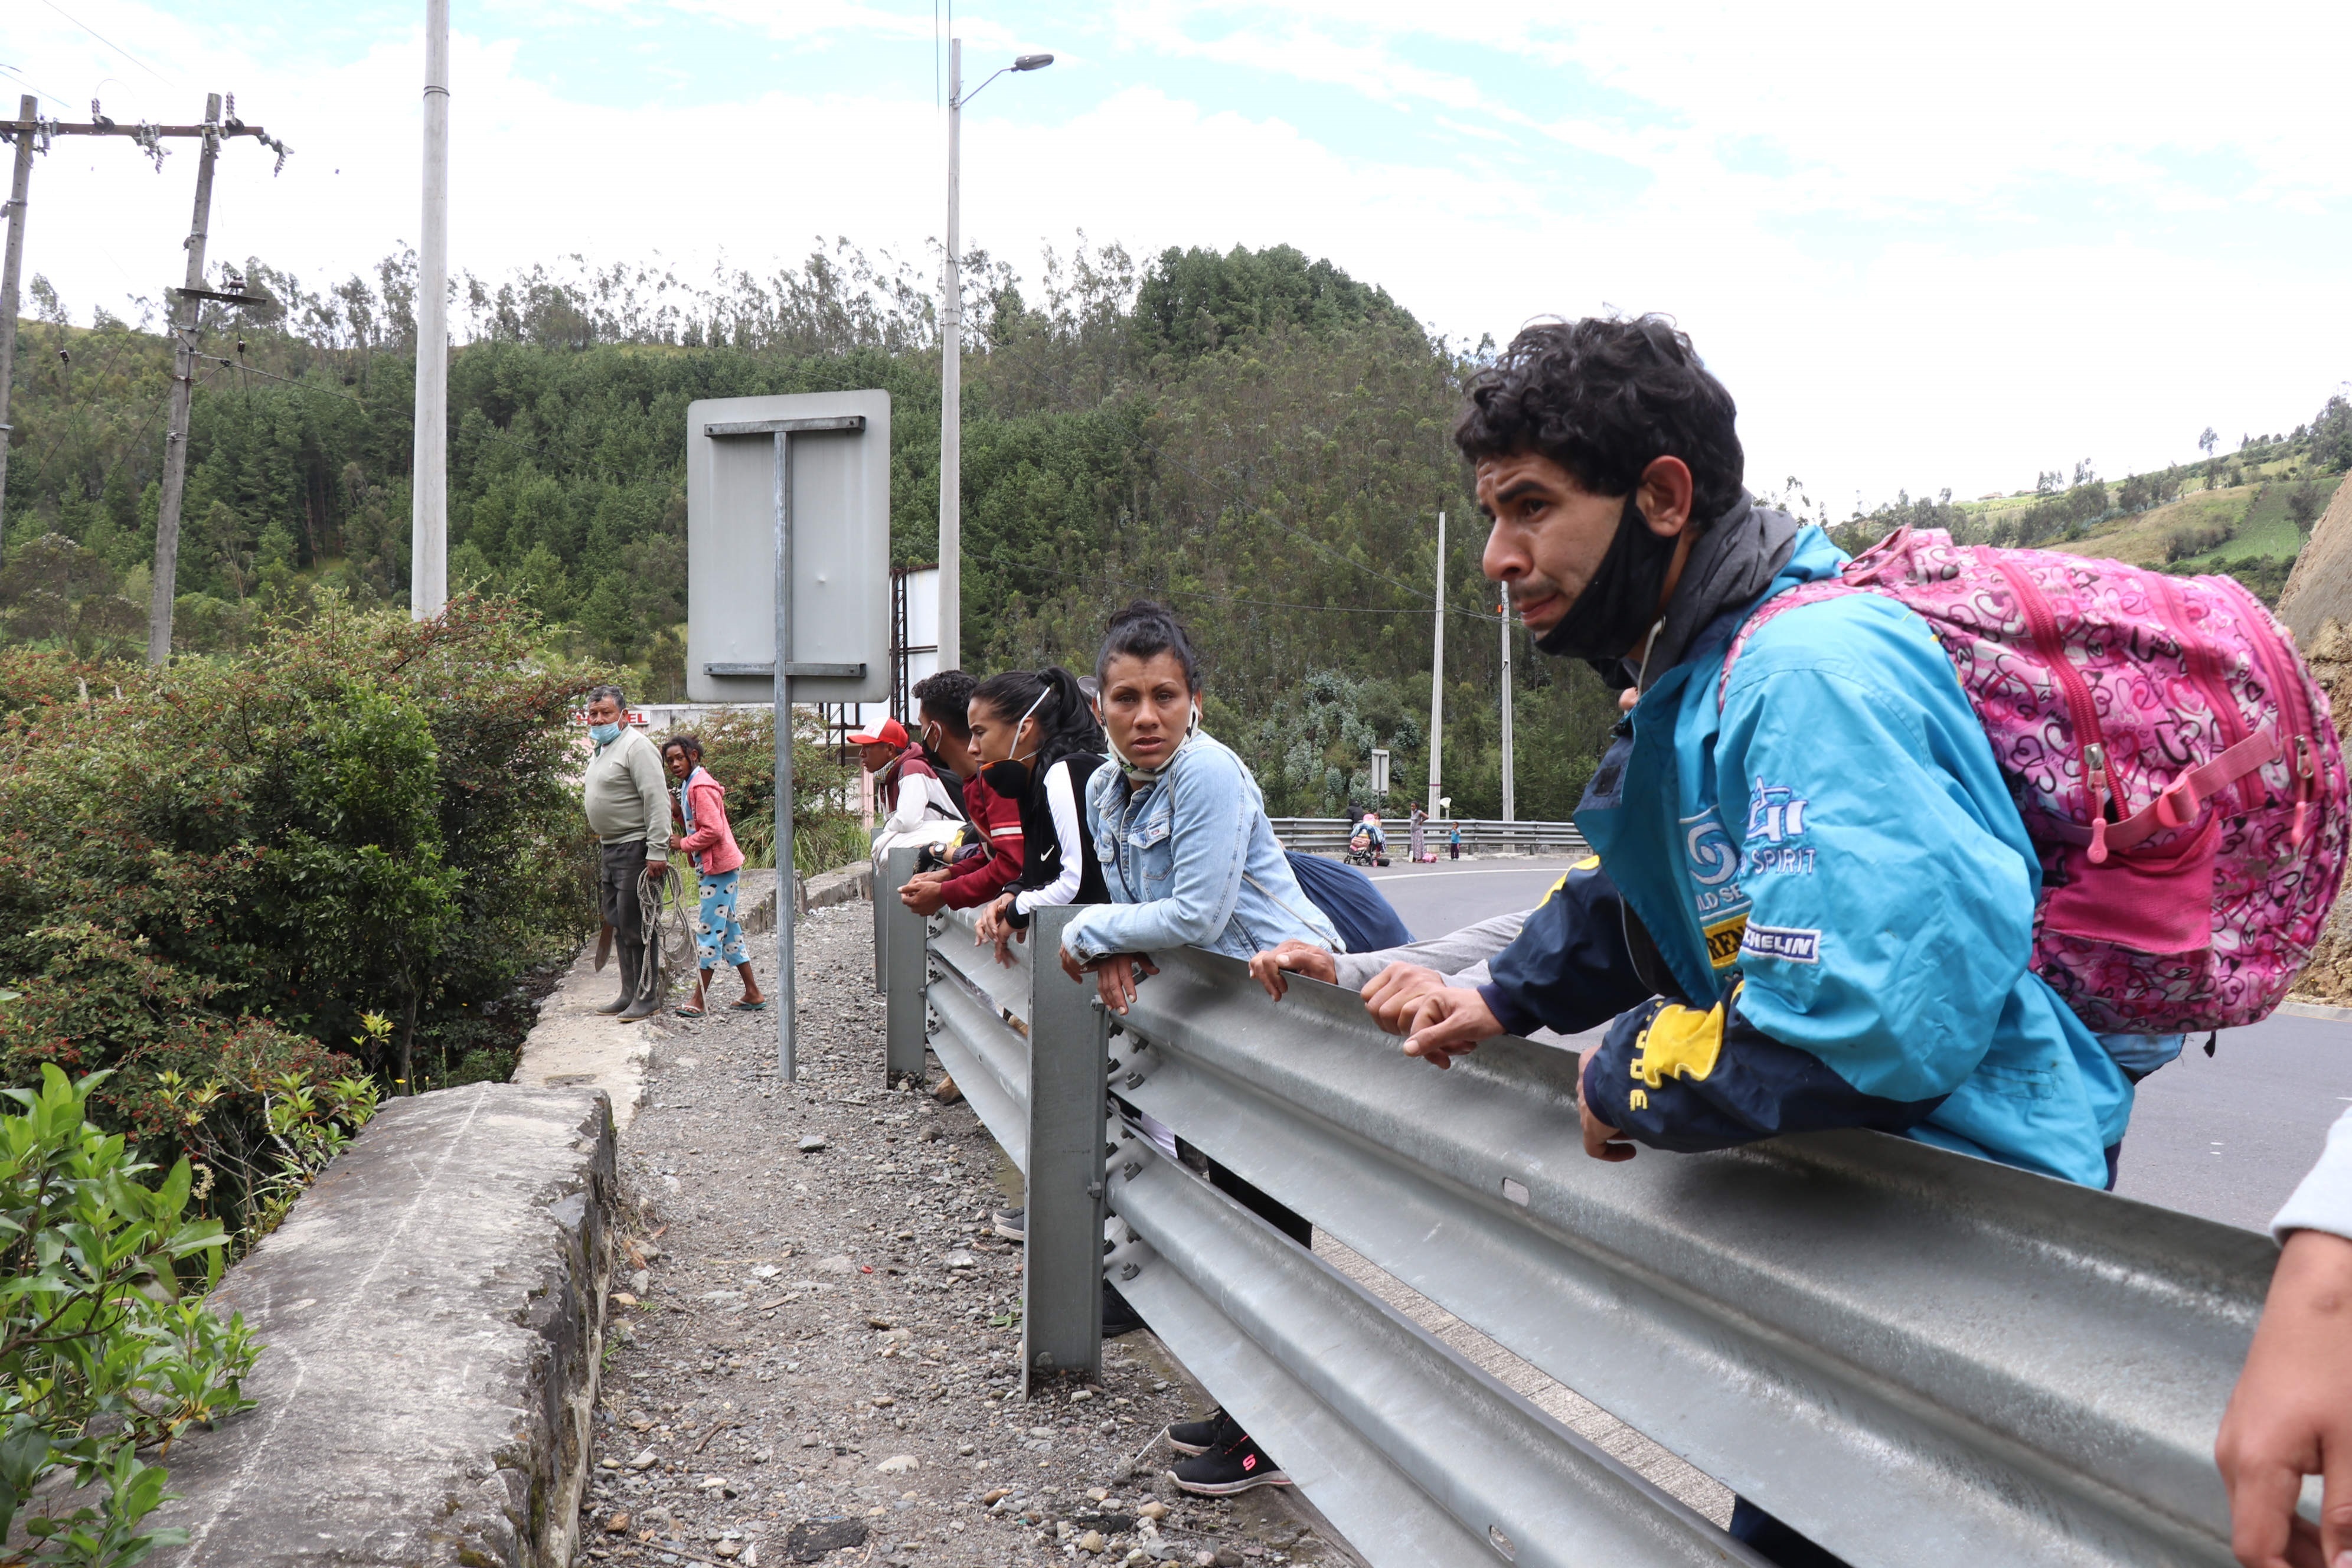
[
  {"x": 1256, "y": 438},
  {"x": 2247, "y": 513}
]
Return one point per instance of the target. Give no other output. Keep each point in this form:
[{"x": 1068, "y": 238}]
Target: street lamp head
[{"x": 1033, "y": 62}]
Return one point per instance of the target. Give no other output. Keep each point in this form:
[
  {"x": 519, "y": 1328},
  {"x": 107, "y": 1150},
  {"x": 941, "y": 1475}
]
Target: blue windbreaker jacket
[{"x": 1832, "y": 899}]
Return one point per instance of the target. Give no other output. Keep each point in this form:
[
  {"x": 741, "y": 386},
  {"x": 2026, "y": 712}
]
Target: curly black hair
[
  {"x": 1603, "y": 398},
  {"x": 944, "y": 697}
]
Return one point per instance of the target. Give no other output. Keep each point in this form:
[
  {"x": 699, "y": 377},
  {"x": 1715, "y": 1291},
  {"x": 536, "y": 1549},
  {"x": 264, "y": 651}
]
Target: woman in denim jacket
[
  {"x": 1188, "y": 856},
  {"x": 1188, "y": 859}
]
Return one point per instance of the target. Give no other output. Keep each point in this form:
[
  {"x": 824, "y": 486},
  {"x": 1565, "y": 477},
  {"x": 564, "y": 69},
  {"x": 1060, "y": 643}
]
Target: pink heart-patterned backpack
[{"x": 2172, "y": 758}]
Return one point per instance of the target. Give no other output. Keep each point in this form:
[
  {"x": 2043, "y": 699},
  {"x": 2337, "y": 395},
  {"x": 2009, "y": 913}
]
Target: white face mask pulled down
[{"x": 1141, "y": 775}]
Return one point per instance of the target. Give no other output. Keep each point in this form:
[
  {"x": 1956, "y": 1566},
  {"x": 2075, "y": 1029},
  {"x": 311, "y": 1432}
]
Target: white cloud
[{"x": 1875, "y": 284}]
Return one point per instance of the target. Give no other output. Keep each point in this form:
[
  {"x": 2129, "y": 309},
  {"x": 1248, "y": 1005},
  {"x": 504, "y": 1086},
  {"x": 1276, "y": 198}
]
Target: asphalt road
[{"x": 2225, "y": 1137}]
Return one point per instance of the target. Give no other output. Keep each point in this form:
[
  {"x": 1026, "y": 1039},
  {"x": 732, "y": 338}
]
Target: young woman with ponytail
[{"x": 1039, "y": 746}]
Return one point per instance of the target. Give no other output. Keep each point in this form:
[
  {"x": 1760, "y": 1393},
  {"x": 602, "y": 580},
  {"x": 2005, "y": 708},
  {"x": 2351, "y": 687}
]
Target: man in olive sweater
[{"x": 628, "y": 803}]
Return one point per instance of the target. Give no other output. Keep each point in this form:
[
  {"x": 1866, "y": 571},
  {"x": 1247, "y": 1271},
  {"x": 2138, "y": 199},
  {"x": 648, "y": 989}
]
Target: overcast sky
[{"x": 1925, "y": 245}]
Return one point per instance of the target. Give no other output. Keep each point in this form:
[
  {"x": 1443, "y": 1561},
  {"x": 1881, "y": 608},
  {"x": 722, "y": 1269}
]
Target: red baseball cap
[{"x": 889, "y": 732}]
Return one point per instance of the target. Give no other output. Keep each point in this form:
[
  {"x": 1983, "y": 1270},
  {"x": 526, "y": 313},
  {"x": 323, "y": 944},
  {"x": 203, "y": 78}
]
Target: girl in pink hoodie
[{"x": 717, "y": 934}]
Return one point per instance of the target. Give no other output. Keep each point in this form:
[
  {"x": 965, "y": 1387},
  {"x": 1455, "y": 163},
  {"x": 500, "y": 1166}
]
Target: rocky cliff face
[{"x": 2329, "y": 978}]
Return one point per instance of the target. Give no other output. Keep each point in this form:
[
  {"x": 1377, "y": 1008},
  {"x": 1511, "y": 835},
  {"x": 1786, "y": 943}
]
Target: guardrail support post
[
  {"x": 1061, "y": 1318},
  {"x": 901, "y": 934}
]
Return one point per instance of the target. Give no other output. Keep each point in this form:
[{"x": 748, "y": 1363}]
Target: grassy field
[
  {"x": 2266, "y": 529},
  {"x": 2255, "y": 514},
  {"x": 2141, "y": 539}
]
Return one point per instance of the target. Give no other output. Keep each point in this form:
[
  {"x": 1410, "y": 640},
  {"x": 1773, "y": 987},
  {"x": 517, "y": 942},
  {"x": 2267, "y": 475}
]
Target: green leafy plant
[
  {"x": 103, "y": 1354},
  {"x": 305, "y": 1125},
  {"x": 218, "y": 867}
]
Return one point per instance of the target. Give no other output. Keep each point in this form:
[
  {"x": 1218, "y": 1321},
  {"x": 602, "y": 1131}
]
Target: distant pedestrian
[
  {"x": 1419, "y": 820},
  {"x": 1453, "y": 841},
  {"x": 710, "y": 843},
  {"x": 628, "y": 810}
]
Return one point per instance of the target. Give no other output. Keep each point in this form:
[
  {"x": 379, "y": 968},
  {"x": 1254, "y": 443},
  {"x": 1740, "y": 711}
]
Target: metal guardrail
[
  {"x": 1328, "y": 836},
  {"x": 1913, "y": 1356}
]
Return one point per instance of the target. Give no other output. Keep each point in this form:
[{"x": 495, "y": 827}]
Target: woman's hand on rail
[
  {"x": 1117, "y": 975},
  {"x": 995, "y": 925}
]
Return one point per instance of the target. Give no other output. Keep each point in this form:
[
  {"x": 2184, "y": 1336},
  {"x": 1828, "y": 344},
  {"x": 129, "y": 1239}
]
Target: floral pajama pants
[{"x": 718, "y": 936}]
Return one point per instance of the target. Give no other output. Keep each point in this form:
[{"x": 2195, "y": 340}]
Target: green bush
[
  {"x": 102, "y": 1351},
  {"x": 223, "y": 872}
]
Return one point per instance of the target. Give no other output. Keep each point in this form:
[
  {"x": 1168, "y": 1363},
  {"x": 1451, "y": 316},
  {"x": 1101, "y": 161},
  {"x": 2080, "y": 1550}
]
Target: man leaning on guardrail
[
  {"x": 1814, "y": 900},
  {"x": 1812, "y": 903}
]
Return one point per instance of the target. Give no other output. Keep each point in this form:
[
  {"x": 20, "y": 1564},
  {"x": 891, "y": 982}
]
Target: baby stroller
[{"x": 1367, "y": 845}]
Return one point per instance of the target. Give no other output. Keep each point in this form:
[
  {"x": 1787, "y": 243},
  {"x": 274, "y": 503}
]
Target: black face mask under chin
[
  {"x": 1619, "y": 602},
  {"x": 1008, "y": 780}
]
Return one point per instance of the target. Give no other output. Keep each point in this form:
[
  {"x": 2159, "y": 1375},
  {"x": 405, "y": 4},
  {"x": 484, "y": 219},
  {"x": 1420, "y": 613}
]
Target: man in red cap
[{"x": 920, "y": 808}]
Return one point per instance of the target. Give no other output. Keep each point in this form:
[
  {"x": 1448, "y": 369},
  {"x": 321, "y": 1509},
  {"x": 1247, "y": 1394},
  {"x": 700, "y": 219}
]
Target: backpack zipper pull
[
  {"x": 2303, "y": 771},
  {"x": 2096, "y": 756},
  {"x": 2211, "y": 1040}
]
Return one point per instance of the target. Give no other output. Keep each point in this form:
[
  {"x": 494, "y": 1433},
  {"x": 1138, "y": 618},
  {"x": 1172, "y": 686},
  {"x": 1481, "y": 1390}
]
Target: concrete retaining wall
[{"x": 433, "y": 1311}]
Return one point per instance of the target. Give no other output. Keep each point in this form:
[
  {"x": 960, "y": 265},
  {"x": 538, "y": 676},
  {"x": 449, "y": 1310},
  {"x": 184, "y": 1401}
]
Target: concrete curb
[
  {"x": 433, "y": 1317},
  {"x": 2316, "y": 1010},
  {"x": 574, "y": 1047},
  {"x": 850, "y": 884}
]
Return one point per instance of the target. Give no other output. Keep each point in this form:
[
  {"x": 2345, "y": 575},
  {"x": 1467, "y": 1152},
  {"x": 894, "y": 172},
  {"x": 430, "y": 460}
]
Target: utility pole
[
  {"x": 31, "y": 133},
  {"x": 951, "y": 386},
  {"x": 11, "y": 273},
  {"x": 1510, "y": 795},
  {"x": 183, "y": 387},
  {"x": 428, "y": 564},
  {"x": 1437, "y": 674}
]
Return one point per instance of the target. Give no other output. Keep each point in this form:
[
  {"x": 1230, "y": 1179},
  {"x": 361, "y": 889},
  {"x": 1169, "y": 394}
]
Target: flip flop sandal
[
  {"x": 689, "y": 1012},
  {"x": 759, "y": 1006}
]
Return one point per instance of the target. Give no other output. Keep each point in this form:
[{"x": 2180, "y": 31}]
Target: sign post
[{"x": 791, "y": 492}]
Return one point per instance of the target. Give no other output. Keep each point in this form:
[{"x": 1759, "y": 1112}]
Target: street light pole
[
  {"x": 952, "y": 360},
  {"x": 951, "y": 384}
]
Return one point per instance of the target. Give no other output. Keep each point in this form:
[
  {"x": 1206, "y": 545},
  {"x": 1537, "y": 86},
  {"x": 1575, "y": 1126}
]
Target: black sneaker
[
  {"x": 1009, "y": 1223},
  {"x": 1235, "y": 1468},
  {"x": 1212, "y": 1431},
  {"x": 1118, "y": 1318}
]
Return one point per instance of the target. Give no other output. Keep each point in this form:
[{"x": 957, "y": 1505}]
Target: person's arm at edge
[
  {"x": 1448, "y": 954},
  {"x": 2291, "y": 1412}
]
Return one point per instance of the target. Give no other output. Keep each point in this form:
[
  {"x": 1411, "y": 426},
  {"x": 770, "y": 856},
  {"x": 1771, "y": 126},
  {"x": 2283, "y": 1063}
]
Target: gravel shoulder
[{"x": 815, "y": 1355}]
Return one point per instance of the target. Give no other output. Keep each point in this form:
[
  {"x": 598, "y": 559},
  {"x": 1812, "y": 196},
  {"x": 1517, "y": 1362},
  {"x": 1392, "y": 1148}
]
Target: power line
[
  {"x": 37, "y": 87},
  {"x": 118, "y": 48}
]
